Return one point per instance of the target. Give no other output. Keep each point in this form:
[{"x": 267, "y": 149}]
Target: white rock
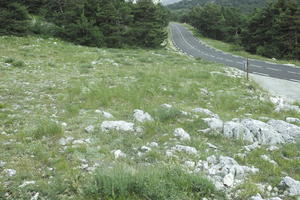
[
  {"x": 145, "y": 149},
  {"x": 262, "y": 132},
  {"x": 182, "y": 134},
  {"x": 64, "y": 124},
  {"x": 35, "y": 196},
  {"x": 117, "y": 126},
  {"x": 2, "y": 163},
  {"x": 10, "y": 172},
  {"x": 78, "y": 142},
  {"x": 236, "y": 130},
  {"x": 119, "y": 154},
  {"x": 165, "y": 105},
  {"x": 169, "y": 153},
  {"x": 268, "y": 159},
  {"x": 211, "y": 145},
  {"x": 272, "y": 148},
  {"x": 190, "y": 164},
  {"x": 141, "y": 116},
  {"x": 259, "y": 197},
  {"x": 205, "y": 131},
  {"x": 290, "y": 185},
  {"x": 228, "y": 180},
  {"x": 186, "y": 149},
  {"x": 214, "y": 123},
  {"x": 25, "y": 183},
  {"x": 251, "y": 147},
  {"x": 288, "y": 131},
  {"x": 106, "y": 115},
  {"x": 292, "y": 120},
  {"x": 206, "y": 112},
  {"x": 89, "y": 129},
  {"x": 153, "y": 144},
  {"x": 290, "y": 65},
  {"x": 269, "y": 188}
]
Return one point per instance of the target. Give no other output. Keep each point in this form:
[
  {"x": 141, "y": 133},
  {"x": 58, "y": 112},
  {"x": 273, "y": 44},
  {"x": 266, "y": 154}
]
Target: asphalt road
[{"x": 184, "y": 40}]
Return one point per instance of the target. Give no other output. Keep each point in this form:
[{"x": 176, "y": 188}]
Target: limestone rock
[
  {"x": 259, "y": 197},
  {"x": 206, "y": 112},
  {"x": 292, "y": 120},
  {"x": 179, "y": 132},
  {"x": 186, "y": 149},
  {"x": 10, "y": 172},
  {"x": 141, "y": 116},
  {"x": 288, "y": 131},
  {"x": 89, "y": 129},
  {"x": 290, "y": 185},
  {"x": 214, "y": 123},
  {"x": 106, "y": 115},
  {"x": 117, "y": 126},
  {"x": 119, "y": 154}
]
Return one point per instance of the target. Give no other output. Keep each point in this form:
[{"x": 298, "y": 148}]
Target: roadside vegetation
[{"x": 49, "y": 100}]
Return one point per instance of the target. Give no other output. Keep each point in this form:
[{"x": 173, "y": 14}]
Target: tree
[{"x": 13, "y": 18}]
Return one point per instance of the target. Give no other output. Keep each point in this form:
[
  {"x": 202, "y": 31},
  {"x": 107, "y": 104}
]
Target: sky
[{"x": 165, "y": 2}]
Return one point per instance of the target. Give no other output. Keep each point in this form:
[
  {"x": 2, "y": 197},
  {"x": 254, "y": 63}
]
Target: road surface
[{"x": 184, "y": 40}]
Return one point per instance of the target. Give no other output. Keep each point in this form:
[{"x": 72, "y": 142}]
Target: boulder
[
  {"x": 179, "y": 132},
  {"x": 141, "y": 116},
  {"x": 290, "y": 185},
  {"x": 206, "y": 112},
  {"x": 117, "y": 126},
  {"x": 214, "y": 123},
  {"x": 236, "y": 130},
  {"x": 288, "y": 131}
]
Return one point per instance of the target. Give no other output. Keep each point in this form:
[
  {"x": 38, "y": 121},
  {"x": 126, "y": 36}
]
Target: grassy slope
[
  {"x": 45, "y": 82},
  {"x": 231, "y": 48}
]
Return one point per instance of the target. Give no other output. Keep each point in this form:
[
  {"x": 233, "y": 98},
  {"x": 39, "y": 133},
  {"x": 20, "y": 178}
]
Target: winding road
[{"x": 184, "y": 40}]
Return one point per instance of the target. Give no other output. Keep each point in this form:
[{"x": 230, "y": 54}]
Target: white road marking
[
  {"x": 256, "y": 66},
  {"x": 261, "y": 74},
  {"x": 277, "y": 70},
  {"x": 293, "y": 72}
]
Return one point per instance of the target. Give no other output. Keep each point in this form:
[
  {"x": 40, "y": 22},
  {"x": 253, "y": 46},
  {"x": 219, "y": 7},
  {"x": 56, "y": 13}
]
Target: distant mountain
[{"x": 243, "y": 5}]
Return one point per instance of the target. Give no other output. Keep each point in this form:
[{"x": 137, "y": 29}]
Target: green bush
[
  {"x": 47, "y": 128},
  {"x": 159, "y": 183}
]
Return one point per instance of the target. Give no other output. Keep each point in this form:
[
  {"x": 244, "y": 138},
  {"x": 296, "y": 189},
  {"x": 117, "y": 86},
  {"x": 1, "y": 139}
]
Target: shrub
[
  {"x": 160, "y": 183},
  {"x": 47, "y": 128}
]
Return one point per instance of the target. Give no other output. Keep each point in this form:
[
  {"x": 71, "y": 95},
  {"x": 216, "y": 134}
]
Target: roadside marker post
[{"x": 246, "y": 68}]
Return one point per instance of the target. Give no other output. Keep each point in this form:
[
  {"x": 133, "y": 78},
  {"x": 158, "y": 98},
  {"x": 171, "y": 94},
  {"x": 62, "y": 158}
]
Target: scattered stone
[
  {"x": 168, "y": 106},
  {"x": 282, "y": 105},
  {"x": 179, "y": 132},
  {"x": 35, "y": 196},
  {"x": 211, "y": 145},
  {"x": 25, "y": 183},
  {"x": 272, "y": 148},
  {"x": 190, "y": 164},
  {"x": 224, "y": 171},
  {"x": 291, "y": 186},
  {"x": 117, "y": 126},
  {"x": 2, "y": 163},
  {"x": 89, "y": 129},
  {"x": 205, "y": 131},
  {"x": 106, "y": 115},
  {"x": 10, "y": 172},
  {"x": 186, "y": 149},
  {"x": 119, "y": 154},
  {"x": 145, "y": 149},
  {"x": 251, "y": 147},
  {"x": 141, "y": 116},
  {"x": 259, "y": 197},
  {"x": 64, "y": 124},
  {"x": 153, "y": 144},
  {"x": 206, "y": 112},
  {"x": 292, "y": 120},
  {"x": 65, "y": 141},
  {"x": 214, "y": 123},
  {"x": 269, "y": 188},
  {"x": 268, "y": 159}
]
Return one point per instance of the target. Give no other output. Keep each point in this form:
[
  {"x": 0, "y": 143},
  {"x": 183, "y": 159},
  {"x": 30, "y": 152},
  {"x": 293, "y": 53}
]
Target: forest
[
  {"x": 101, "y": 23},
  {"x": 272, "y": 31}
]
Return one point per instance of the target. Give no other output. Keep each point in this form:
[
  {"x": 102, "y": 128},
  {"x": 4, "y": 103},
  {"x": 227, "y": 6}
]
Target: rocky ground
[{"x": 71, "y": 114}]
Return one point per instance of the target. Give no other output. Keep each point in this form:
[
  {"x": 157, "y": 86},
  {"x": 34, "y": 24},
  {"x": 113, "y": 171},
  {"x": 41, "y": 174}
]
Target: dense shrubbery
[
  {"x": 273, "y": 31},
  {"x": 101, "y": 23}
]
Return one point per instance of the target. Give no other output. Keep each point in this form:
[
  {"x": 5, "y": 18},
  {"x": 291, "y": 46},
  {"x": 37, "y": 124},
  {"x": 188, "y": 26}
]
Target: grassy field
[
  {"x": 233, "y": 49},
  {"x": 50, "y": 90}
]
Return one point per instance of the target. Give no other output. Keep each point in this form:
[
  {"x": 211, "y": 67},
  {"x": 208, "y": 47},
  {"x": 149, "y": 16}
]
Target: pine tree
[{"x": 13, "y": 18}]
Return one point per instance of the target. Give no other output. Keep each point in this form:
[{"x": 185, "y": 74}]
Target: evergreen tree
[{"x": 13, "y": 18}]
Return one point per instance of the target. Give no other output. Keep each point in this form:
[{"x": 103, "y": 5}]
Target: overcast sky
[{"x": 169, "y": 1}]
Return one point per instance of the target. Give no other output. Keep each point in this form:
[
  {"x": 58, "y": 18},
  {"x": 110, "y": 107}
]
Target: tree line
[
  {"x": 273, "y": 31},
  {"x": 101, "y": 23}
]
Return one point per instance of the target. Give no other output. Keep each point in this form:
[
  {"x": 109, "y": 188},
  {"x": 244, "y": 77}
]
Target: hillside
[
  {"x": 244, "y": 5},
  {"x": 97, "y": 123}
]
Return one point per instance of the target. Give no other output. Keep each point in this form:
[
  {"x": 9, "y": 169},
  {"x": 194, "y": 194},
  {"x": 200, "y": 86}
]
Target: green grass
[
  {"x": 55, "y": 94},
  {"x": 235, "y": 50}
]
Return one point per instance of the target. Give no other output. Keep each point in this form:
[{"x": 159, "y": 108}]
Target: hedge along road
[{"x": 184, "y": 40}]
